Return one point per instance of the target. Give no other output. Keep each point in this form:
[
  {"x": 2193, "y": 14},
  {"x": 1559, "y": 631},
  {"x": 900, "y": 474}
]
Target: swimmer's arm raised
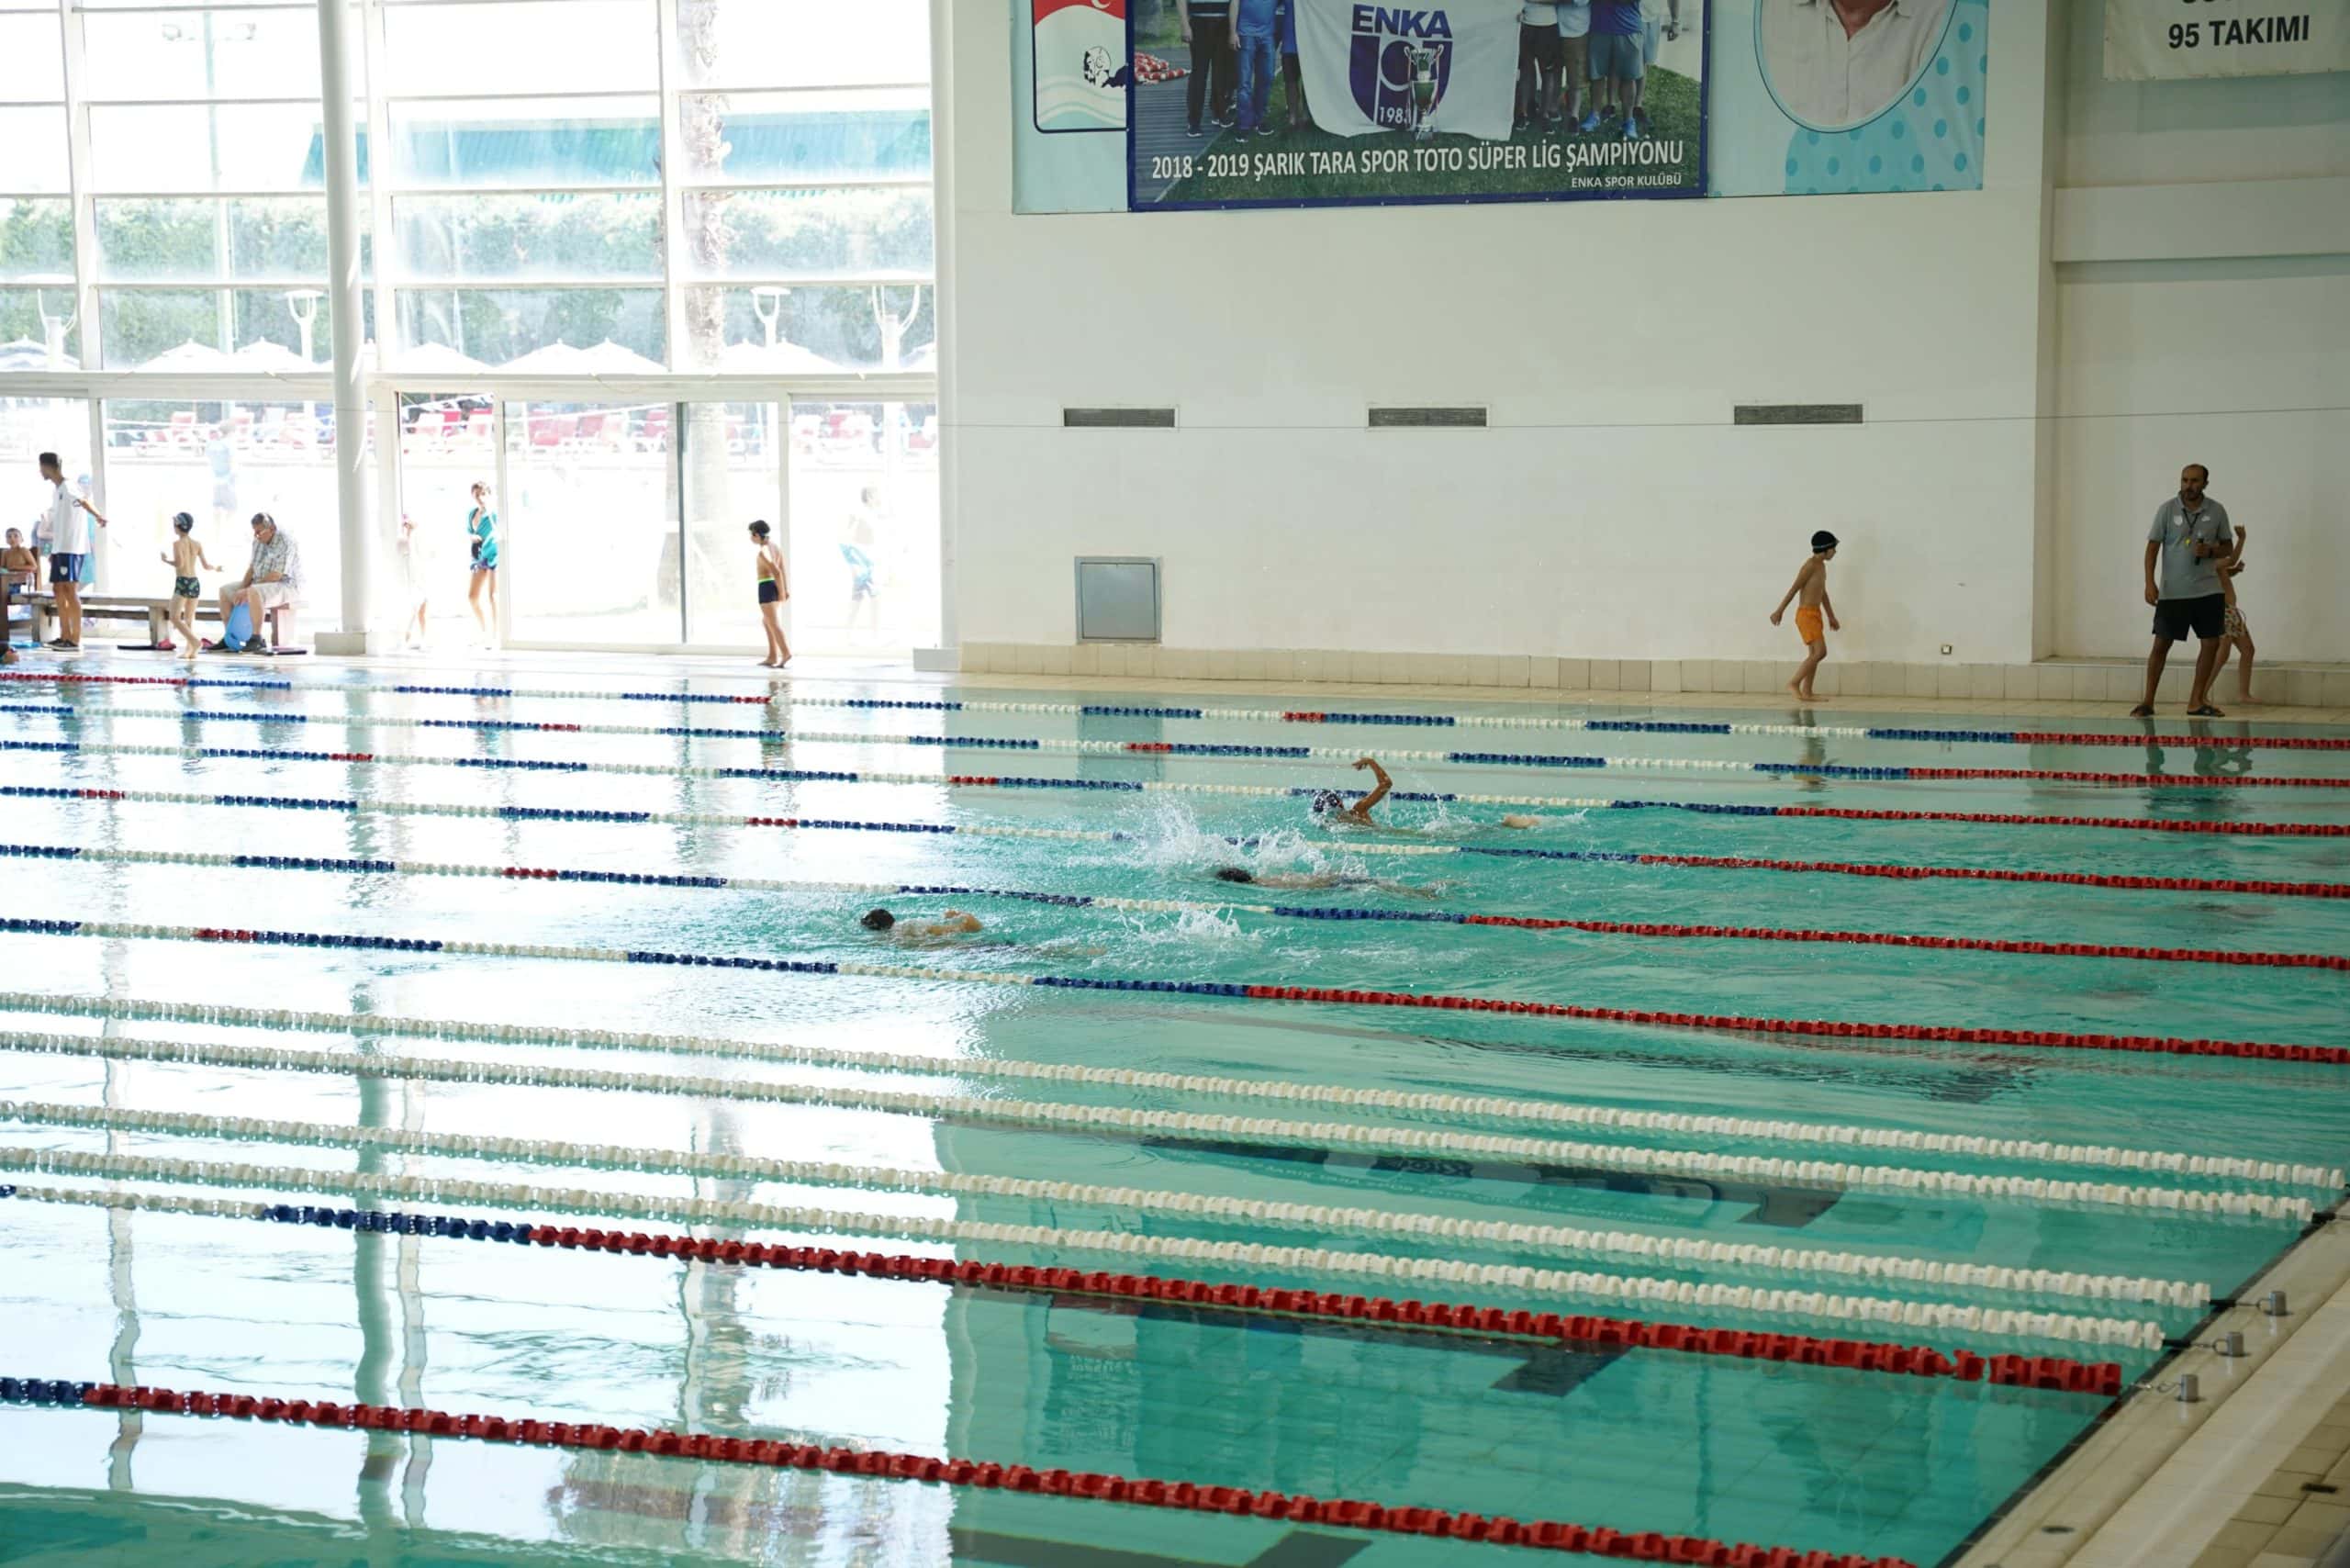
[{"x": 1379, "y": 791}]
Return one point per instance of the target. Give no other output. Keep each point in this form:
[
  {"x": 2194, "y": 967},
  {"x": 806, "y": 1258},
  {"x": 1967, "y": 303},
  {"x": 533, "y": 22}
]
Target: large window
[
  {"x": 37, "y": 318},
  {"x": 560, "y": 198}
]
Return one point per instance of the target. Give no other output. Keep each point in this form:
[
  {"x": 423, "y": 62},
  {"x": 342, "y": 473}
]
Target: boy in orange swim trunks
[{"x": 1811, "y": 587}]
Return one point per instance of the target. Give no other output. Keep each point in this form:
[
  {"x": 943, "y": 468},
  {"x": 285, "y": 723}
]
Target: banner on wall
[
  {"x": 1370, "y": 105},
  {"x": 2162, "y": 40},
  {"x": 1340, "y": 103},
  {"x": 1076, "y": 48}
]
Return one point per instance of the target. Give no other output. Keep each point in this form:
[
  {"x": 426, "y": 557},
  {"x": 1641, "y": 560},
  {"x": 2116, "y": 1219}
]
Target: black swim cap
[
  {"x": 1823, "y": 539},
  {"x": 1327, "y": 801},
  {"x": 1234, "y": 874},
  {"x": 182, "y": 522},
  {"x": 878, "y": 920}
]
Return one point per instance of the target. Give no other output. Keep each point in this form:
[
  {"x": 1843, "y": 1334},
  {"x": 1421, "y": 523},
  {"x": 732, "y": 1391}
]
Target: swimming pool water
[{"x": 1640, "y": 1440}]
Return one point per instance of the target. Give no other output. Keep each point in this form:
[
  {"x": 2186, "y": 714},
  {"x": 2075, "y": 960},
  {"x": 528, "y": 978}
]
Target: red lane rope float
[
  {"x": 2257, "y": 1050},
  {"x": 1940, "y": 944},
  {"x": 2204, "y": 743},
  {"x": 1646, "y": 1546},
  {"x": 2102, "y": 1378},
  {"x": 1436, "y": 1318},
  {"x": 2020, "y": 818},
  {"x": 1989, "y": 874},
  {"x": 2142, "y": 780}
]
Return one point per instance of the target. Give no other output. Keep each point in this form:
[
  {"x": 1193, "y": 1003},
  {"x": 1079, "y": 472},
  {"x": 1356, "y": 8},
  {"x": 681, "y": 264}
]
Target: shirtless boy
[
  {"x": 1331, "y": 806},
  {"x": 1811, "y": 589}
]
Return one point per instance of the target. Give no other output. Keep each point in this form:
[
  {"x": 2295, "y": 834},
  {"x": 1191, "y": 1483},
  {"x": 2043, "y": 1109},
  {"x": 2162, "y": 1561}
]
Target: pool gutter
[{"x": 2157, "y": 1479}]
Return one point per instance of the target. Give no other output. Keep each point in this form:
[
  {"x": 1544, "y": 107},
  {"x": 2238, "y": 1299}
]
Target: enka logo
[{"x": 1381, "y": 67}]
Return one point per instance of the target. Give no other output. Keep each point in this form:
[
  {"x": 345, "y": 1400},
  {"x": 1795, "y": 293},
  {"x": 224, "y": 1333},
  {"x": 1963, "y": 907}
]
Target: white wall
[
  {"x": 1614, "y": 513},
  {"x": 2204, "y": 322}
]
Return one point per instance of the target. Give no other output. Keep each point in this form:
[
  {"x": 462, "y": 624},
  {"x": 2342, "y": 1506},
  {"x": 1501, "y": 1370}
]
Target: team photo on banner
[{"x": 1304, "y": 101}]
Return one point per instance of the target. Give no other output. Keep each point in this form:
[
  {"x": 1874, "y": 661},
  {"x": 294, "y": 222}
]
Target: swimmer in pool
[
  {"x": 1316, "y": 882},
  {"x": 952, "y": 925},
  {"x": 1331, "y": 806}
]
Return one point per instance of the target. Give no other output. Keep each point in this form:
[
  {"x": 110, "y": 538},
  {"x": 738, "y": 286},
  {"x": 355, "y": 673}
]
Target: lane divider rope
[
  {"x": 1406, "y": 1103},
  {"x": 1973, "y": 1320},
  {"x": 1898, "y": 774},
  {"x": 1664, "y": 929},
  {"x": 1439, "y": 1322},
  {"x": 2333, "y": 1056},
  {"x": 1190, "y": 1126},
  {"x": 1260, "y": 715},
  {"x": 1652, "y": 1249},
  {"x": 545, "y": 813},
  {"x": 1183, "y": 1497}
]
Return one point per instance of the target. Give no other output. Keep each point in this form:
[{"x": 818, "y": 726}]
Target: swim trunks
[
  {"x": 186, "y": 587},
  {"x": 769, "y": 591},
  {"x": 1809, "y": 627},
  {"x": 2232, "y": 625}
]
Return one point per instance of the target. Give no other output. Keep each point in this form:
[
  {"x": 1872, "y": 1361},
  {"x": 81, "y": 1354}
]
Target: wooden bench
[{"x": 157, "y": 615}]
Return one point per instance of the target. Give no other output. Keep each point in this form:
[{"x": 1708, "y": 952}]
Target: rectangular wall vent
[
  {"x": 1797, "y": 414},
  {"x": 1118, "y": 419},
  {"x": 1426, "y": 419},
  {"x": 1117, "y": 598}
]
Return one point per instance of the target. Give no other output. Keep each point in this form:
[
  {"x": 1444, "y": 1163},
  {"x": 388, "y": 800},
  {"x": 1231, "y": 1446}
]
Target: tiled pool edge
[{"x": 2157, "y": 1483}]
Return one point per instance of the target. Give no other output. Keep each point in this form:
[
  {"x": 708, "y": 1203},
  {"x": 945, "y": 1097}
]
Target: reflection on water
[{"x": 1803, "y": 1456}]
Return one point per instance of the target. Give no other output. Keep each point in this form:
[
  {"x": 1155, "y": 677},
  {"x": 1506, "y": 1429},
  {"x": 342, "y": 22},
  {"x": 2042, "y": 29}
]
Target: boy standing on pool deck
[
  {"x": 184, "y": 557},
  {"x": 1811, "y": 585}
]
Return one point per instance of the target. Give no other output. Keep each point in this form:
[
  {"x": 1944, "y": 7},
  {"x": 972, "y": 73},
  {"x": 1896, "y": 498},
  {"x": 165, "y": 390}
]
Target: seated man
[{"x": 271, "y": 581}]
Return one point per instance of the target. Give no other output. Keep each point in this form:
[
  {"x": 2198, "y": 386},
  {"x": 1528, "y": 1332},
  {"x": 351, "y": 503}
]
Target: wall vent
[
  {"x": 1796, "y": 414},
  {"x": 1118, "y": 419},
  {"x": 1117, "y": 598},
  {"x": 1427, "y": 419}
]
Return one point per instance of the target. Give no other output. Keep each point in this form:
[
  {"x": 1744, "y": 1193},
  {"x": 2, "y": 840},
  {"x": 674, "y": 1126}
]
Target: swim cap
[
  {"x": 182, "y": 522},
  {"x": 1234, "y": 874},
  {"x": 1327, "y": 801},
  {"x": 1823, "y": 539},
  {"x": 878, "y": 920}
]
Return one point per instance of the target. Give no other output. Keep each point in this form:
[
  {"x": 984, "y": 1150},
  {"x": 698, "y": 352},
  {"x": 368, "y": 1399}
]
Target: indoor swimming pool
[{"x": 345, "y": 1004}]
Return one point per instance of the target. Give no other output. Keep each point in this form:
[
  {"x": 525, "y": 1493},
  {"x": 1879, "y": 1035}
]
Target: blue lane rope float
[
  {"x": 1672, "y": 929},
  {"x": 730, "y": 819},
  {"x": 1160, "y": 748},
  {"x": 1940, "y": 737},
  {"x": 2333, "y": 1055}
]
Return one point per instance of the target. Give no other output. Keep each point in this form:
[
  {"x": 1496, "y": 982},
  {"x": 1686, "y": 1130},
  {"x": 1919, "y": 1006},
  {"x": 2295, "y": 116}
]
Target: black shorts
[
  {"x": 1538, "y": 44},
  {"x": 2207, "y": 616},
  {"x": 769, "y": 593}
]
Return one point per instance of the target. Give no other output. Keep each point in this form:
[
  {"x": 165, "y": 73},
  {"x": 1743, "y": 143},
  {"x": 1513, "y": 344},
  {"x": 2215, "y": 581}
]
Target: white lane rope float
[
  {"x": 1196, "y": 1207},
  {"x": 1027, "y": 745},
  {"x": 1395, "y": 1102},
  {"x": 1224, "y": 1254},
  {"x": 1412, "y": 1141},
  {"x": 783, "y": 702}
]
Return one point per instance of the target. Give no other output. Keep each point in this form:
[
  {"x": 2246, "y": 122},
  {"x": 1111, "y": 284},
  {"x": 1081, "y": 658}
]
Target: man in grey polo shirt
[{"x": 2189, "y": 536}]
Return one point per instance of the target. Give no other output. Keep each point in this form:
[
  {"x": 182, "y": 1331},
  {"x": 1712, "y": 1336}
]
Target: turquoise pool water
[{"x": 1640, "y": 1440}]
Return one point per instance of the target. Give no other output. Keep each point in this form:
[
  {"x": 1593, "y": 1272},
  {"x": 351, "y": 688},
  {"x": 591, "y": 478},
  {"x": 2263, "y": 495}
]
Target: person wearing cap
[
  {"x": 1331, "y": 806},
  {"x": 1811, "y": 589},
  {"x": 184, "y": 557}
]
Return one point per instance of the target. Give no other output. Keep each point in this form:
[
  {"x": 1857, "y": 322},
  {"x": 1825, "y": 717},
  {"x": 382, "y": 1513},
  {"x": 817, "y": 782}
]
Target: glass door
[
  {"x": 863, "y": 489},
  {"x": 448, "y": 444},
  {"x": 732, "y": 477},
  {"x": 591, "y": 547}
]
